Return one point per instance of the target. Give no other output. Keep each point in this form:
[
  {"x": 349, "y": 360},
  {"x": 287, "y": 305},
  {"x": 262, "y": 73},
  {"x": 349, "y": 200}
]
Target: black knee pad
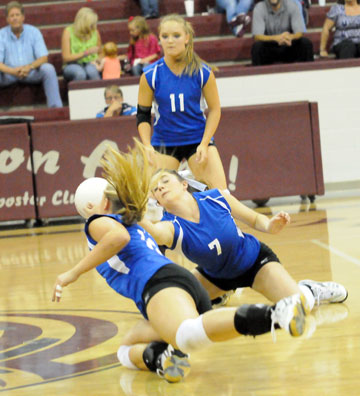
[
  {"x": 152, "y": 353},
  {"x": 254, "y": 319}
]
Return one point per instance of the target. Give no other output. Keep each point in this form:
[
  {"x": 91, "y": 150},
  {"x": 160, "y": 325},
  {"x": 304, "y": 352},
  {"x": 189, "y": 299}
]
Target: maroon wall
[
  {"x": 274, "y": 148},
  {"x": 267, "y": 151},
  {"x": 74, "y": 149},
  {"x": 16, "y": 186}
]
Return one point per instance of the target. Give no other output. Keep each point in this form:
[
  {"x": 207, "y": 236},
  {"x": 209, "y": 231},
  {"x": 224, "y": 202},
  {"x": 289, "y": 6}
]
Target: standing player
[
  {"x": 179, "y": 84},
  {"x": 177, "y": 308}
]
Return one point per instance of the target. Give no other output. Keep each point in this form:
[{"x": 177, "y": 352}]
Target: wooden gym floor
[{"x": 70, "y": 348}]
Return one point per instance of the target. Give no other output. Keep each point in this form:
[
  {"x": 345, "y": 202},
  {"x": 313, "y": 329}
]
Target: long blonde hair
[
  {"x": 85, "y": 23},
  {"x": 140, "y": 23},
  {"x": 128, "y": 175},
  {"x": 193, "y": 63}
]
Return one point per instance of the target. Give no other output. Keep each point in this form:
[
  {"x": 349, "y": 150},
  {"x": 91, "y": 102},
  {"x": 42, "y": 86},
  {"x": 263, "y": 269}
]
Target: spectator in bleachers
[
  {"x": 345, "y": 17},
  {"x": 278, "y": 29},
  {"x": 24, "y": 56},
  {"x": 149, "y": 8},
  {"x": 109, "y": 62},
  {"x": 143, "y": 47},
  {"x": 236, "y": 14},
  {"x": 116, "y": 106},
  {"x": 80, "y": 46}
]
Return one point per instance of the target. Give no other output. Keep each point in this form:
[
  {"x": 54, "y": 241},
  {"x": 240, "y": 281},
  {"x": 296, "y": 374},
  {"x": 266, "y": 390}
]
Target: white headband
[{"x": 192, "y": 182}]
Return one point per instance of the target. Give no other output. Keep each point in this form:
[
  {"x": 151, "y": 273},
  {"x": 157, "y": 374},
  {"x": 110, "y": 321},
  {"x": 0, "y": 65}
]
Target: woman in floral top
[{"x": 345, "y": 17}]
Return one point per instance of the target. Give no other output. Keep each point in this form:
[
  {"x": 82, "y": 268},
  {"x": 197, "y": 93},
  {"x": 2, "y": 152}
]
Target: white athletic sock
[{"x": 124, "y": 358}]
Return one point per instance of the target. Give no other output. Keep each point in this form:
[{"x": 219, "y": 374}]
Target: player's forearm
[
  {"x": 212, "y": 123},
  {"x": 145, "y": 133}
]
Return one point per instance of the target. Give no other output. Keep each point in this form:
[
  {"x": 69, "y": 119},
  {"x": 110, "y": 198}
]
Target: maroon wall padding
[
  {"x": 41, "y": 115},
  {"x": 70, "y": 143},
  {"x": 318, "y": 171},
  {"x": 277, "y": 150},
  {"x": 267, "y": 151},
  {"x": 16, "y": 186}
]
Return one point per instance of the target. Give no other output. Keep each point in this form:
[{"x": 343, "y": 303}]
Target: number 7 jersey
[
  {"x": 179, "y": 104},
  {"x": 215, "y": 243}
]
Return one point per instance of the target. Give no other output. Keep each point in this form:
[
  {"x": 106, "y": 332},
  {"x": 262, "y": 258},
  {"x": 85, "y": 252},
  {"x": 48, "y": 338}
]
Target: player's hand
[
  {"x": 278, "y": 222},
  {"x": 63, "y": 280},
  {"x": 201, "y": 154},
  {"x": 93, "y": 50},
  {"x": 151, "y": 155}
]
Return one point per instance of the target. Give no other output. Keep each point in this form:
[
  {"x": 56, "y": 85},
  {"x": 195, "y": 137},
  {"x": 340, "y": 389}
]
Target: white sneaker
[
  {"x": 174, "y": 365},
  {"x": 289, "y": 314},
  {"x": 326, "y": 292}
]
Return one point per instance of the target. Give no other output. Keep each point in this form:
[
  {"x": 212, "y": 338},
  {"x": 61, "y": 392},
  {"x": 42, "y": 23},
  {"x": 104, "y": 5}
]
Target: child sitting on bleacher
[{"x": 143, "y": 47}]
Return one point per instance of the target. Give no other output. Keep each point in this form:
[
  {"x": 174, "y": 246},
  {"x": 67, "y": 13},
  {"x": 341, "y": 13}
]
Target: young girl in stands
[
  {"x": 143, "y": 46},
  {"x": 109, "y": 64}
]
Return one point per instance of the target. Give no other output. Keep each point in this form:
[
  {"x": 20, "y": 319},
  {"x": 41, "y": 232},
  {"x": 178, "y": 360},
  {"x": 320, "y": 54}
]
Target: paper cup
[{"x": 189, "y": 7}]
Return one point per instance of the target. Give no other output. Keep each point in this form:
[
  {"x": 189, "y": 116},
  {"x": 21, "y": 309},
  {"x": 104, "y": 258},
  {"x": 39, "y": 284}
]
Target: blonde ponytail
[{"x": 128, "y": 175}]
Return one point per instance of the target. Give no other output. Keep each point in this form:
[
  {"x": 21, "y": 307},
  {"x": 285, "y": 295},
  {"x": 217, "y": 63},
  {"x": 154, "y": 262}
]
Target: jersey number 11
[{"x": 173, "y": 104}]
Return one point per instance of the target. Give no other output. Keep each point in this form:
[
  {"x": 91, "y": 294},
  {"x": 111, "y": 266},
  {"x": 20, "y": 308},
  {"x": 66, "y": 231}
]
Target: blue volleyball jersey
[
  {"x": 216, "y": 244},
  {"x": 179, "y": 105},
  {"x": 129, "y": 271}
]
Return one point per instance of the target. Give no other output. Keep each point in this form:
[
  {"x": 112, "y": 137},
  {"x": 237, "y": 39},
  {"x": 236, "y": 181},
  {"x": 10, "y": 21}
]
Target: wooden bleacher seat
[
  {"x": 220, "y": 47},
  {"x": 43, "y": 115}
]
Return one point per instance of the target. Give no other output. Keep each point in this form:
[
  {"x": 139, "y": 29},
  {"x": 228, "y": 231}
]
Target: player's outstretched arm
[
  {"x": 256, "y": 220},
  {"x": 111, "y": 236},
  {"x": 162, "y": 232}
]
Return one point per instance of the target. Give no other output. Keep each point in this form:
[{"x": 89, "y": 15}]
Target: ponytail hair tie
[{"x": 130, "y": 18}]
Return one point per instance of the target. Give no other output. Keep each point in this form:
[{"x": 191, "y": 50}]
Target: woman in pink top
[{"x": 144, "y": 47}]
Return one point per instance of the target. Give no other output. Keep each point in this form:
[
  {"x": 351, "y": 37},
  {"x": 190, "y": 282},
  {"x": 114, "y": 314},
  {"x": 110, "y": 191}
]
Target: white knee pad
[
  {"x": 310, "y": 300},
  {"x": 191, "y": 335},
  {"x": 124, "y": 359}
]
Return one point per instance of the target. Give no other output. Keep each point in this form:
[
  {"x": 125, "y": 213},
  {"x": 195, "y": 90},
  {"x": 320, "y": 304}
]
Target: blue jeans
[
  {"x": 149, "y": 7},
  {"x": 233, "y": 7},
  {"x": 46, "y": 75},
  {"x": 79, "y": 72},
  {"x": 138, "y": 69}
]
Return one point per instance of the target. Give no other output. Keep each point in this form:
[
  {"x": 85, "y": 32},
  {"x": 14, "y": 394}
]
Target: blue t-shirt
[
  {"x": 125, "y": 110},
  {"x": 15, "y": 52},
  {"x": 179, "y": 104},
  {"x": 129, "y": 271},
  {"x": 215, "y": 244}
]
